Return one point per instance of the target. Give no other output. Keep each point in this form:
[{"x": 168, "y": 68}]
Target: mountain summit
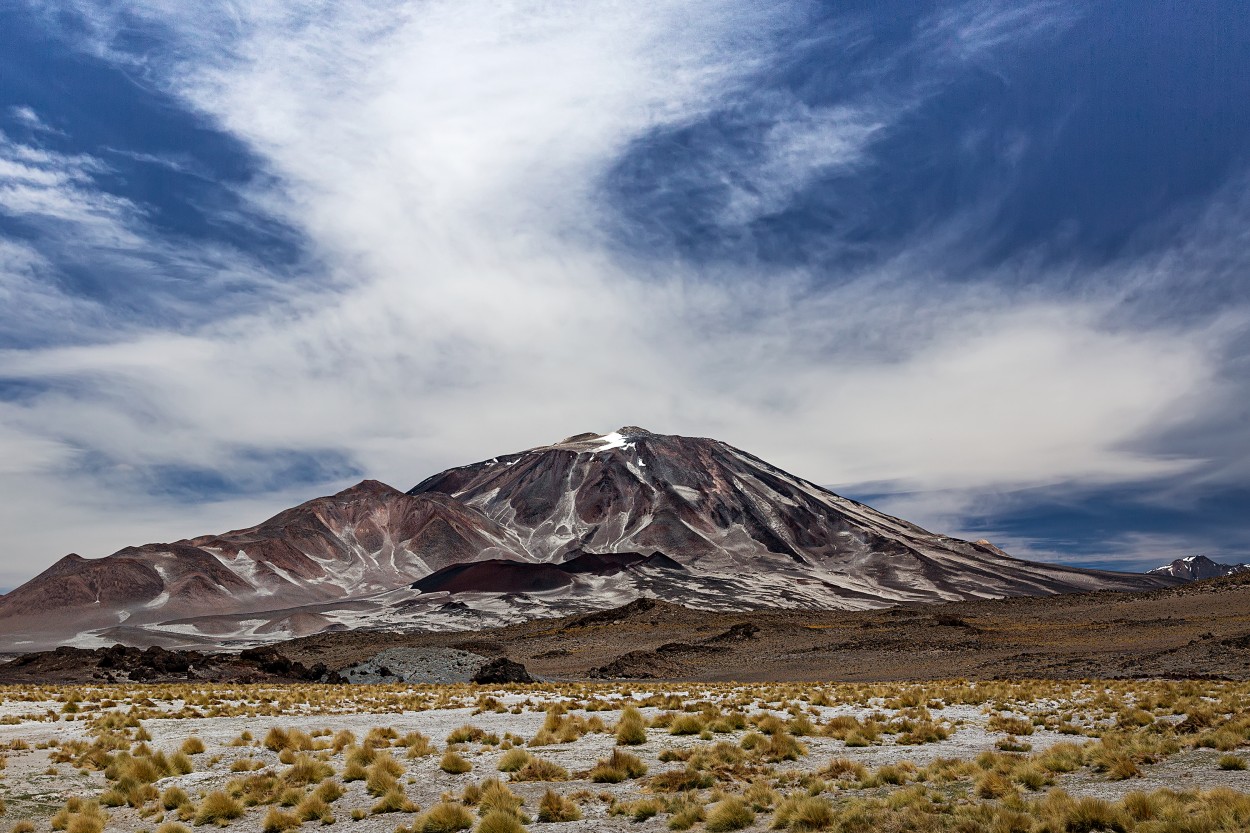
[
  {"x": 748, "y": 533},
  {"x": 1195, "y": 567},
  {"x": 589, "y": 522}
]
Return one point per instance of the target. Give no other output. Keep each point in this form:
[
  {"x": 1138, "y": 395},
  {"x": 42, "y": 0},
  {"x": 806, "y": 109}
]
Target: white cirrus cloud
[{"x": 445, "y": 164}]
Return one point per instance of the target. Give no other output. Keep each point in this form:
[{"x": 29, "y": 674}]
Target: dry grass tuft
[
  {"x": 514, "y": 759},
  {"x": 803, "y": 813},
  {"x": 617, "y": 767},
  {"x": 444, "y": 817},
  {"x": 554, "y": 807},
  {"x": 393, "y": 801},
  {"x": 452, "y": 762},
  {"x": 631, "y": 729},
  {"x": 497, "y": 822},
  {"x": 540, "y": 769},
  {"x": 730, "y": 813},
  {"x": 218, "y": 808},
  {"x": 495, "y": 797},
  {"x": 1232, "y": 762},
  {"x": 279, "y": 821}
]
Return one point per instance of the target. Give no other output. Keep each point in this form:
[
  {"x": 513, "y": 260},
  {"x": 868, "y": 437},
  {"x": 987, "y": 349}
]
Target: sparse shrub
[
  {"x": 760, "y": 796},
  {"x": 804, "y": 812},
  {"x": 680, "y": 780},
  {"x": 444, "y": 817},
  {"x": 418, "y": 745},
  {"x": 1033, "y": 776},
  {"x": 631, "y": 729},
  {"x": 307, "y": 770},
  {"x": 465, "y": 733},
  {"x": 1232, "y": 762},
  {"x": 496, "y": 797},
  {"x": 173, "y": 798},
  {"x": 218, "y": 808},
  {"x": 617, "y": 767},
  {"x": 1010, "y": 725},
  {"x": 782, "y": 746},
  {"x": 687, "y": 816},
  {"x": 314, "y": 807},
  {"x": 393, "y": 801},
  {"x": 192, "y": 746},
  {"x": 730, "y": 813},
  {"x": 1012, "y": 743},
  {"x": 554, "y": 807},
  {"x": 279, "y": 821},
  {"x": 453, "y": 763},
  {"x": 329, "y": 791},
  {"x": 1062, "y": 757},
  {"x": 514, "y": 759},
  {"x": 844, "y": 768},
  {"x": 361, "y": 755},
  {"x": 993, "y": 785},
  {"x": 497, "y": 822},
  {"x": 686, "y": 724},
  {"x": 291, "y": 796},
  {"x": 281, "y": 740},
  {"x": 924, "y": 731},
  {"x": 637, "y": 810},
  {"x": 540, "y": 769}
]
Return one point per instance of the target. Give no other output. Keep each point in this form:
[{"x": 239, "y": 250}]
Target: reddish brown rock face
[
  {"x": 716, "y": 509},
  {"x": 76, "y": 582},
  {"x": 587, "y": 523}
]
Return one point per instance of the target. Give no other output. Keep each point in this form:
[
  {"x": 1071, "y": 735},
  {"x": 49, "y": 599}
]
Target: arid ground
[
  {"x": 1197, "y": 630},
  {"x": 1109, "y": 711},
  {"x": 1143, "y": 756}
]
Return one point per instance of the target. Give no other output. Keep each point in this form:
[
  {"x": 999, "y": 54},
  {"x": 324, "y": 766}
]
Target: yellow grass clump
[
  {"x": 454, "y": 763},
  {"x": 553, "y": 807}
]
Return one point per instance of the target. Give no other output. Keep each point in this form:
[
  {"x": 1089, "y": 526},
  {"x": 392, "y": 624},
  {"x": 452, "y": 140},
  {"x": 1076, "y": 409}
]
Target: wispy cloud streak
[{"x": 446, "y": 164}]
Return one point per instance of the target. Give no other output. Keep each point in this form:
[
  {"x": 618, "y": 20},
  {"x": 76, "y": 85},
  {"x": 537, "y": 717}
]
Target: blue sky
[{"x": 982, "y": 264}]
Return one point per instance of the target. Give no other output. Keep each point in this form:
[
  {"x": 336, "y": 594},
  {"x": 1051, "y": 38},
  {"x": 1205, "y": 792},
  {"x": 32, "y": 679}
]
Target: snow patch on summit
[{"x": 614, "y": 440}]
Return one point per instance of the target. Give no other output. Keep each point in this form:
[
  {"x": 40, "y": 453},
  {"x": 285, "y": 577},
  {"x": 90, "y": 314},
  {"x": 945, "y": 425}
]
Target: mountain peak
[
  {"x": 367, "y": 488},
  {"x": 590, "y": 441},
  {"x": 557, "y": 529},
  {"x": 1195, "y": 567}
]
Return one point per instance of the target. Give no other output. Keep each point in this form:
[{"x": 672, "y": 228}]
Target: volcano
[{"x": 590, "y": 522}]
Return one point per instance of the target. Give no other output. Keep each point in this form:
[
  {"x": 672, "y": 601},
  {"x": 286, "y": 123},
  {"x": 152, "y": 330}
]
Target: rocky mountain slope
[
  {"x": 1195, "y": 629},
  {"x": 1196, "y": 567},
  {"x": 587, "y": 523}
]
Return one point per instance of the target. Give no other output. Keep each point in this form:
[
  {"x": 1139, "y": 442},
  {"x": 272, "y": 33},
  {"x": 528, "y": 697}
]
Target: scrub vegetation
[{"x": 1024, "y": 756}]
